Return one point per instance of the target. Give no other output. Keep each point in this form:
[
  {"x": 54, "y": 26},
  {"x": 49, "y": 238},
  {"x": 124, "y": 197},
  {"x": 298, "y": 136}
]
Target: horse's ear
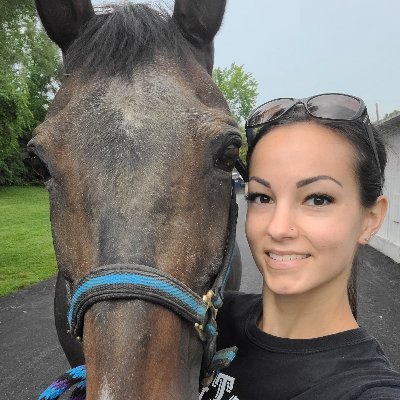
[
  {"x": 64, "y": 19},
  {"x": 199, "y": 21}
]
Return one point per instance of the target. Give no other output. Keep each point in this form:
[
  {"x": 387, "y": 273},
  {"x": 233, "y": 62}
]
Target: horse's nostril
[{"x": 38, "y": 166}]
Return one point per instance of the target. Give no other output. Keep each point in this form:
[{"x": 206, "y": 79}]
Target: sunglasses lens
[
  {"x": 269, "y": 111},
  {"x": 334, "y": 106}
]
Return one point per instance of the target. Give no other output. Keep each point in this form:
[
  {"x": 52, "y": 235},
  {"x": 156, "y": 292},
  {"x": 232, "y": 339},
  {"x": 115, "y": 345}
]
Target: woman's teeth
[{"x": 287, "y": 257}]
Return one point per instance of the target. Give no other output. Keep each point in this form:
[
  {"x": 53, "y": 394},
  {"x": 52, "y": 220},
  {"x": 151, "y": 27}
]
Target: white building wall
[{"x": 387, "y": 240}]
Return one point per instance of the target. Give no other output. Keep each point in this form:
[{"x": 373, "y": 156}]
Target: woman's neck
[{"x": 313, "y": 314}]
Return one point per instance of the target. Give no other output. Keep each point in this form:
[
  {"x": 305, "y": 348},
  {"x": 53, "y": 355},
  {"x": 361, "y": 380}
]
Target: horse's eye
[
  {"x": 226, "y": 161},
  {"x": 38, "y": 166}
]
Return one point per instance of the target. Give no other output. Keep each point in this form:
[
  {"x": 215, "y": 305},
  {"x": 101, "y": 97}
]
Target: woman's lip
[{"x": 285, "y": 260}]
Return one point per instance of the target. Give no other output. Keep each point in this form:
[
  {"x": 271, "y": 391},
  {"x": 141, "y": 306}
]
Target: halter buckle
[
  {"x": 208, "y": 299},
  {"x": 200, "y": 330}
]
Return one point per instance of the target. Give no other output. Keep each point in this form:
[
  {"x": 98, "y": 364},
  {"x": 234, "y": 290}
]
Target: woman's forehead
[
  {"x": 304, "y": 147},
  {"x": 307, "y": 135}
]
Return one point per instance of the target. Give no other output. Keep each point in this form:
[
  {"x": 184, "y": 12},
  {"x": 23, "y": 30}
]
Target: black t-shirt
[{"x": 347, "y": 365}]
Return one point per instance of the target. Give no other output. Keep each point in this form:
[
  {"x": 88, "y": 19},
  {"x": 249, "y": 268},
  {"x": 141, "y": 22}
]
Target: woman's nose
[{"x": 282, "y": 223}]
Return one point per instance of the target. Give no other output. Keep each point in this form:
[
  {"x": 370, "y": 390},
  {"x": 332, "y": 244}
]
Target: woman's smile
[{"x": 285, "y": 260}]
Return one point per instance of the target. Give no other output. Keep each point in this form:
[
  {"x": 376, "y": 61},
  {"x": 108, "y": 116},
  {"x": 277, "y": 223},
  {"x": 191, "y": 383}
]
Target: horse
[{"x": 137, "y": 151}]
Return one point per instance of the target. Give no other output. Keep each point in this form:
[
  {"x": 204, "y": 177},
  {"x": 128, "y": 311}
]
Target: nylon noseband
[{"x": 133, "y": 281}]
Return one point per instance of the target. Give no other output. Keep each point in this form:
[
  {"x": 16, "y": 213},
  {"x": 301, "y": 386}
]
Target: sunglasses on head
[{"x": 328, "y": 107}]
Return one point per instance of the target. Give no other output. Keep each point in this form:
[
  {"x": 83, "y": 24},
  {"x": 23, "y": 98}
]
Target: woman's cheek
[{"x": 255, "y": 232}]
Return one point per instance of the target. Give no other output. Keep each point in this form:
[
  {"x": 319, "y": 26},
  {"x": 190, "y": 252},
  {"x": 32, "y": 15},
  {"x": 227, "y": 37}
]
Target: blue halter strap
[{"x": 133, "y": 281}]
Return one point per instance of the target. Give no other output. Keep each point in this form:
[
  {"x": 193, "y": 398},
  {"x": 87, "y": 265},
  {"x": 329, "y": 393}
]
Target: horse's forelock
[{"x": 115, "y": 43}]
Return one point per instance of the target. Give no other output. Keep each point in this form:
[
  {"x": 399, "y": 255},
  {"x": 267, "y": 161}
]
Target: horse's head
[{"x": 138, "y": 148}]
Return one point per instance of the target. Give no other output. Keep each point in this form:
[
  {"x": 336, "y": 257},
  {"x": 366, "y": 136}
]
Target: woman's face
[{"x": 304, "y": 218}]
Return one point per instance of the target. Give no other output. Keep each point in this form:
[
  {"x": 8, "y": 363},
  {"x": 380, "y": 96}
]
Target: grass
[{"x": 26, "y": 247}]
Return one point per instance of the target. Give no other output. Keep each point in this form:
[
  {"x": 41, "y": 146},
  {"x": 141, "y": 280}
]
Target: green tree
[
  {"x": 29, "y": 64},
  {"x": 240, "y": 90},
  {"x": 15, "y": 117},
  {"x": 14, "y": 109}
]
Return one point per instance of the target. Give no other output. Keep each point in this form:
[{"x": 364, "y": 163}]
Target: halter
[{"x": 133, "y": 281}]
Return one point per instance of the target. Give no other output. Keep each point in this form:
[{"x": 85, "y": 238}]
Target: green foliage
[
  {"x": 240, "y": 91},
  {"x": 29, "y": 63},
  {"x": 15, "y": 115},
  {"x": 41, "y": 69},
  {"x": 26, "y": 251}
]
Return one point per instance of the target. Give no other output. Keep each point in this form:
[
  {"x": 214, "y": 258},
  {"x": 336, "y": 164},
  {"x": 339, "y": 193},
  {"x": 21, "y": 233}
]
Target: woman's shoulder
[
  {"x": 357, "y": 379},
  {"x": 368, "y": 379},
  {"x": 382, "y": 385},
  {"x": 381, "y": 393}
]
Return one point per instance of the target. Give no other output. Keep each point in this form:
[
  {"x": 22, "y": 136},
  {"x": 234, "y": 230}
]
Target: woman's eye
[
  {"x": 318, "y": 200},
  {"x": 226, "y": 161},
  {"x": 258, "y": 198}
]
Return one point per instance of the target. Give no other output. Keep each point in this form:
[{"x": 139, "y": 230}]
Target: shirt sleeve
[{"x": 381, "y": 393}]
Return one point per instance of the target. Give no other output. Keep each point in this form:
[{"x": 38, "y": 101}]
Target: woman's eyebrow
[
  {"x": 261, "y": 181},
  {"x": 307, "y": 181},
  {"x": 299, "y": 184}
]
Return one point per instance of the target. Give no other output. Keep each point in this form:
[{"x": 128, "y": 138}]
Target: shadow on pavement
[
  {"x": 379, "y": 300},
  {"x": 31, "y": 357}
]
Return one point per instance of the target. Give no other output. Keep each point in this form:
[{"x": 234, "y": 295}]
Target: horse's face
[
  {"x": 140, "y": 171},
  {"x": 139, "y": 168}
]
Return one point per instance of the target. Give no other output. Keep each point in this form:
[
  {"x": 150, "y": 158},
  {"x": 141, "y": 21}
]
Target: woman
[{"x": 314, "y": 195}]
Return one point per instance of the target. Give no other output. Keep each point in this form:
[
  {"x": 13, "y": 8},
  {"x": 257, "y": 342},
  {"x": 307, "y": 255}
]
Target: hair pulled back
[{"x": 369, "y": 178}]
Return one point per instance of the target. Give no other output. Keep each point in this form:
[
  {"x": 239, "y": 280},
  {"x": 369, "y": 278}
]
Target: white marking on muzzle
[{"x": 105, "y": 392}]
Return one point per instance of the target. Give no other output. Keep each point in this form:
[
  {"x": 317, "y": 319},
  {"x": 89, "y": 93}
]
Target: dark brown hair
[{"x": 115, "y": 43}]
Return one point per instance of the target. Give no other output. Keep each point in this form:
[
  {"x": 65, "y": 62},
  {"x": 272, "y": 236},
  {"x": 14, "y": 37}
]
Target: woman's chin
[{"x": 285, "y": 285}]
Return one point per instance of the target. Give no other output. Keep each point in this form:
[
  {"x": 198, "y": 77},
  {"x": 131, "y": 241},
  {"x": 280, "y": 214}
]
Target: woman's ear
[{"x": 374, "y": 217}]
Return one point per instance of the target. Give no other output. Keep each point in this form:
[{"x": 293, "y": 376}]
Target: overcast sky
[{"x": 300, "y": 48}]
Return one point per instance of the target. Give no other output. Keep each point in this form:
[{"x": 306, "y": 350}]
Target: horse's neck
[{"x": 140, "y": 352}]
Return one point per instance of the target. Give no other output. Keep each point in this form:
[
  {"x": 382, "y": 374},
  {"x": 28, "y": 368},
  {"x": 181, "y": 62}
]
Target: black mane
[{"x": 114, "y": 43}]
